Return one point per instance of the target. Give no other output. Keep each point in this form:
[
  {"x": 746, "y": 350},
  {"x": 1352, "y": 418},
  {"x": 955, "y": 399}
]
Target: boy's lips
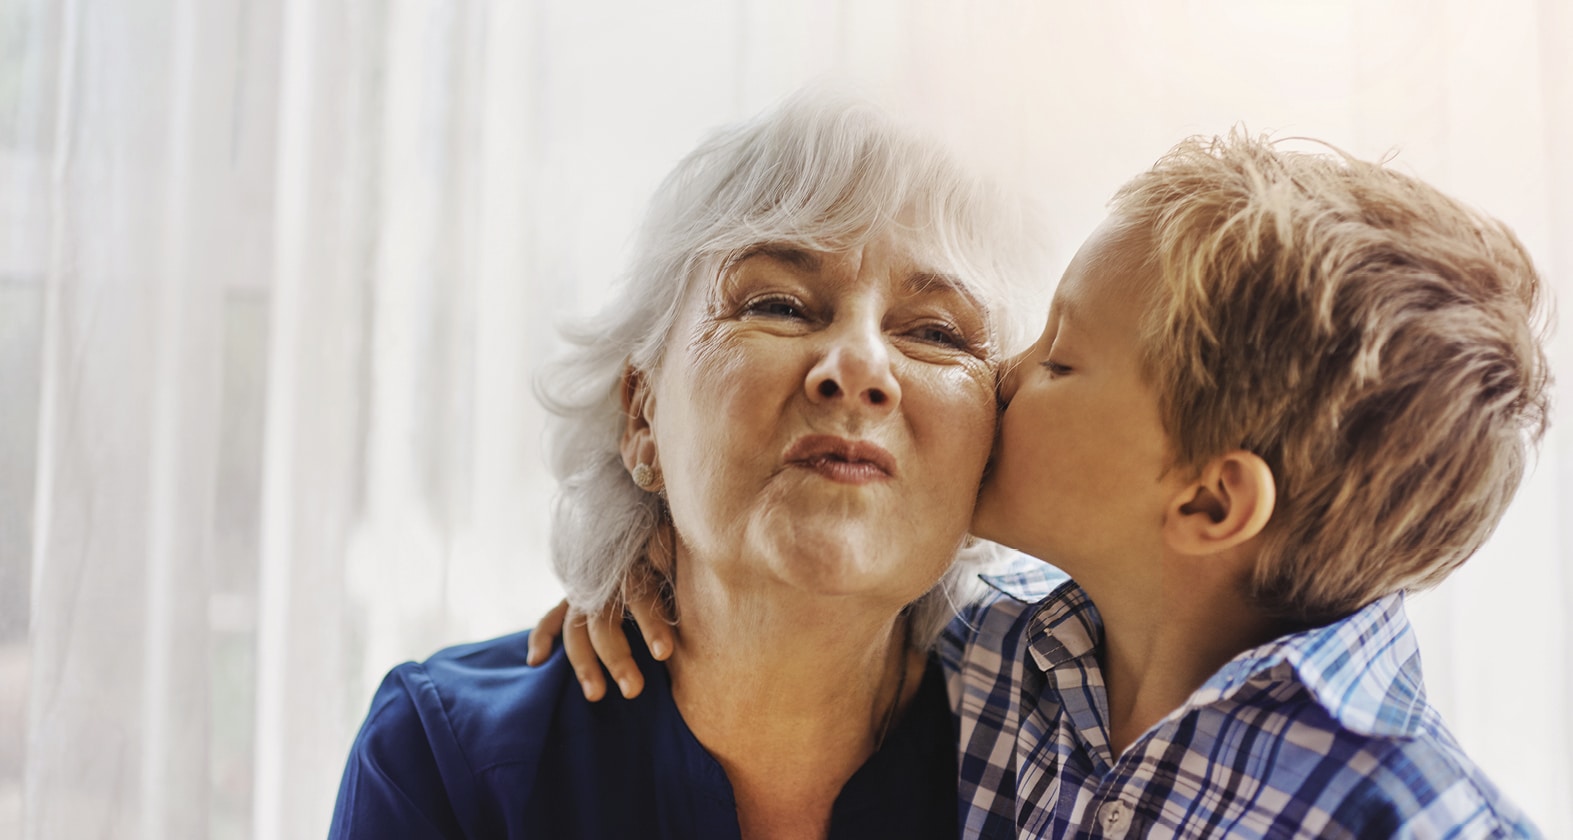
[{"x": 840, "y": 459}]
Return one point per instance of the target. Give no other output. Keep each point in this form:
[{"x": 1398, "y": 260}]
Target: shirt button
[{"x": 1114, "y": 815}]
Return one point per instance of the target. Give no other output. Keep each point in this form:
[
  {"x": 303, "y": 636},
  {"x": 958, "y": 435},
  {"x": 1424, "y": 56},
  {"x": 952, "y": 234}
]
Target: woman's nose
[{"x": 855, "y": 368}]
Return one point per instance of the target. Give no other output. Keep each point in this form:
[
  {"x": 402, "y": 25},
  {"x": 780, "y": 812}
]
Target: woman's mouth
[{"x": 841, "y": 460}]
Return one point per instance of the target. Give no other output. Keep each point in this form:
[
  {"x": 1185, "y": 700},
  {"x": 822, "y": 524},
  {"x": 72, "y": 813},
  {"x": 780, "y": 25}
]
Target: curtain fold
[
  {"x": 275, "y": 279},
  {"x": 324, "y": 234},
  {"x": 127, "y": 439}
]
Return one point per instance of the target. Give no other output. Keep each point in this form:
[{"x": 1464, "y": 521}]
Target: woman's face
[{"x": 822, "y": 419}]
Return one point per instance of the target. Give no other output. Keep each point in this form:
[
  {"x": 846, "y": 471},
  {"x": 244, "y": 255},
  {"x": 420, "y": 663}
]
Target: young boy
[{"x": 1275, "y": 391}]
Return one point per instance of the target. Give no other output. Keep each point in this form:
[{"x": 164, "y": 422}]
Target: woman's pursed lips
[{"x": 840, "y": 459}]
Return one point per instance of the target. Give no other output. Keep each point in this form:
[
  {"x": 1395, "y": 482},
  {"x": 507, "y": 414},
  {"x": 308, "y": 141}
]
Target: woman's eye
[
  {"x": 939, "y": 334},
  {"x": 775, "y": 307}
]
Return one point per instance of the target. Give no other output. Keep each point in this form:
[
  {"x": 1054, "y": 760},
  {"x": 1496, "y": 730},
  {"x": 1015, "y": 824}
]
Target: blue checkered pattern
[{"x": 1324, "y": 733}]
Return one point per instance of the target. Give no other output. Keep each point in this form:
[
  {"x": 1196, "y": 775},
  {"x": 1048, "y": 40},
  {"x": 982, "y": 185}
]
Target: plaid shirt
[{"x": 1324, "y": 733}]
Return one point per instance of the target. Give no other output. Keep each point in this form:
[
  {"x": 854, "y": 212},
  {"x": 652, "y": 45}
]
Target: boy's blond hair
[{"x": 1374, "y": 341}]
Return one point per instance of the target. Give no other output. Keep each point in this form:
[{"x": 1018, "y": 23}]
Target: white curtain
[{"x": 275, "y": 276}]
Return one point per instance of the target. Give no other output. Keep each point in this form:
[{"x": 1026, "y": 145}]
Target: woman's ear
[
  {"x": 638, "y": 443},
  {"x": 1228, "y": 503}
]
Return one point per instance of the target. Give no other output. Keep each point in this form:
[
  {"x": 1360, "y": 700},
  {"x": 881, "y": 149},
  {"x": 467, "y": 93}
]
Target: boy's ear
[
  {"x": 1227, "y": 504},
  {"x": 638, "y": 443}
]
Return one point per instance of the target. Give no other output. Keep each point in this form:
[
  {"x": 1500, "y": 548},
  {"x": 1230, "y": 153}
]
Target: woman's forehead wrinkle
[
  {"x": 800, "y": 258},
  {"x": 787, "y": 253}
]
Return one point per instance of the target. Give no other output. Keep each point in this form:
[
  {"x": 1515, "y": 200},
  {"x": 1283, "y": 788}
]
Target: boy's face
[{"x": 1078, "y": 471}]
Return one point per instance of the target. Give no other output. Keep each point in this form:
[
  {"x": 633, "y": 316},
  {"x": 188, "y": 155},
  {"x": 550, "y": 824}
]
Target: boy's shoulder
[
  {"x": 1305, "y": 767},
  {"x": 1340, "y": 726}
]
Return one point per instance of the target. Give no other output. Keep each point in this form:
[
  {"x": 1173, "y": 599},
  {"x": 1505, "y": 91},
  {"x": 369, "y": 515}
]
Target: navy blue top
[{"x": 474, "y": 743}]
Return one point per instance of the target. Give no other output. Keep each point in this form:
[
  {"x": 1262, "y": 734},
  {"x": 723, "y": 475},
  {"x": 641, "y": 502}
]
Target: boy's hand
[{"x": 591, "y": 641}]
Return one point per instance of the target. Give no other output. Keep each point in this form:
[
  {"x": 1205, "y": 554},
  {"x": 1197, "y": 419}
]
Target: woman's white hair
[{"x": 822, "y": 171}]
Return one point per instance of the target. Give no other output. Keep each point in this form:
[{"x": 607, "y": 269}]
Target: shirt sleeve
[{"x": 405, "y": 769}]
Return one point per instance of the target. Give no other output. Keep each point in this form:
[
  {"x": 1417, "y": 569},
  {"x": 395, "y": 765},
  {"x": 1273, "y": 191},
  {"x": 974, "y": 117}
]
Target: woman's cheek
[{"x": 960, "y": 408}]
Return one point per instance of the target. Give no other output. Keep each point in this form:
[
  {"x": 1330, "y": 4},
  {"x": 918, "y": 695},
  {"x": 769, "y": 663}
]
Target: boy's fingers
[
  {"x": 546, "y": 632},
  {"x": 606, "y": 635},
  {"x": 657, "y": 631},
  {"x": 645, "y": 587},
  {"x": 576, "y": 641}
]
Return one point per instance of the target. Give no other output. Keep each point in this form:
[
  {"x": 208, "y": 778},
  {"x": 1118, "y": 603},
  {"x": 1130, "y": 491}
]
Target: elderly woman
[{"x": 798, "y": 380}]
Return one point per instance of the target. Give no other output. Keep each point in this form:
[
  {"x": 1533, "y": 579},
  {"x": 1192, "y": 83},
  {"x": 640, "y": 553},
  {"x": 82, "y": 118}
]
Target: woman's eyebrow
[
  {"x": 933, "y": 282},
  {"x": 800, "y": 258}
]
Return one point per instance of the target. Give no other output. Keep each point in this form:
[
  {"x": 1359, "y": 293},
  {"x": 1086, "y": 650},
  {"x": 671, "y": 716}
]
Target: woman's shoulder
[
  {"x": 472, "y": 739},
  {"x": 480, "y": 696},
  {"x": 433, "y": 731},
  {"x": 493, "y": 674}
]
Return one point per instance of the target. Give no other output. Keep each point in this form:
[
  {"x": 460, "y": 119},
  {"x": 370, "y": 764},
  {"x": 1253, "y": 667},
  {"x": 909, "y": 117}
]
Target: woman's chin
[
  {"x": 830, "y": 567},
  {"x": 840, "y": 570}
]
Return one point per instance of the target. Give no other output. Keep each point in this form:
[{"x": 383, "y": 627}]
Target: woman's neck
[{"x": 790, "y": 692}]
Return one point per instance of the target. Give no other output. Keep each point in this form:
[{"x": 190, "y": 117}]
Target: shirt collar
[
  {"x": 1065, "y": 626},
  {"x": 1022, "y": 578},
  {"x": 1363, "y": 669}
]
